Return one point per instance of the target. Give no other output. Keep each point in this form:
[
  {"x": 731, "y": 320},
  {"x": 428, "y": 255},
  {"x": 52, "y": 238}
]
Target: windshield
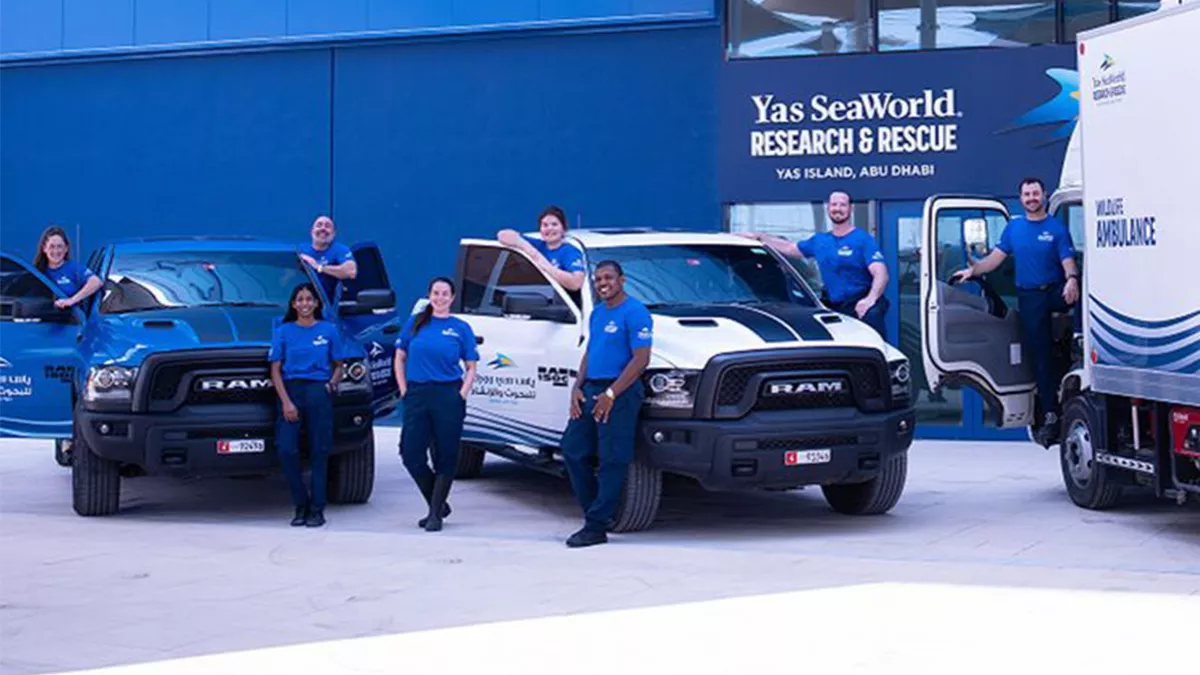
[
  {"x": 146, "y": 281},
  {"x": 705, "y": 274}
]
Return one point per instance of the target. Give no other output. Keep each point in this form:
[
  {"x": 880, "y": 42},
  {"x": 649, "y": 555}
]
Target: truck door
[
  {"x": 529, "y": 332},
  {"x": 368, "y": 310},
  {"x": 39, "y": 358},
  {"x": 970, "y": 334}
]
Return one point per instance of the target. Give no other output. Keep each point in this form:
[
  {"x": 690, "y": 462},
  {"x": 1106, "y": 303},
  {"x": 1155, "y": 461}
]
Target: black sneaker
[
  {"x": 586, "y": 537},
  {"x": 1047, "y": 434},
  {"x": 301, "y": 516},
  {"x": 316, "y": 519},
  {"x": 446, "y": 511}
]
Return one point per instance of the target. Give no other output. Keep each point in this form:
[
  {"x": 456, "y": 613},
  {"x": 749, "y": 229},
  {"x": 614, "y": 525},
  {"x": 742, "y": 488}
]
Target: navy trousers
[
  {"x": 315, "y": 404},
  {"x": 1036, "y": 307},
  {"x": 874, "y": 317},
  {"x": 598, "y": 455},
  {"x": 433, "y": 415}
]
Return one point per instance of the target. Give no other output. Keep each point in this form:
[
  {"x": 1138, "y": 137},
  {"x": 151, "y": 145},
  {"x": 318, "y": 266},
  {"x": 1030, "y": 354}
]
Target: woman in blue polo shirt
[
  {"x": 306, "y": 366},
  {"x": 53, "y": 259},
  {"x": 430, "y": 355},
  {"x": 552, "y": 254}
]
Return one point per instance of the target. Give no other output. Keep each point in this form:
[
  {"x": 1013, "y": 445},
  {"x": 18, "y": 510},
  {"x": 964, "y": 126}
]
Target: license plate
[
  {"x": 241, "y": 446},
  {"x": 798, "y": 457}
]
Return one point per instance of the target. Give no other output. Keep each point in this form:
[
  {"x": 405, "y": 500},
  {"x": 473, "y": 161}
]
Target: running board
[
  {"x": 1125, "y": 463},
  {"x": 532, "y": 460}
]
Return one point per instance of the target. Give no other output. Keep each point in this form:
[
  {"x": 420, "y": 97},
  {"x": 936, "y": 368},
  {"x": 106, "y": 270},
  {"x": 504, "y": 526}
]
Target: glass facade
[{"x": 773, "y": 28}]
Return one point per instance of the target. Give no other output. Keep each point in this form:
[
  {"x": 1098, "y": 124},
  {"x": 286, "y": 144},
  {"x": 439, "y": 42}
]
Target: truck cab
[
  {"x": 752, "y": 384},
  {"x": 164, "y": 371}
]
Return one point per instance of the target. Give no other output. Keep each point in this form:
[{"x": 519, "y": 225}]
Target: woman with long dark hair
[
  {"x": 431, "y": 354},
  {"x": 53, "y": 258},
  {"x": 306, "y": 366}
]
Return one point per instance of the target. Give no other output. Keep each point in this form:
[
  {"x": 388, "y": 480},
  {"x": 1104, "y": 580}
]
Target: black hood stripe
[
  {"x": 801, "y": 319},
  {"x": 779, "y": 322},
  {"x": 765, "y": 327}
]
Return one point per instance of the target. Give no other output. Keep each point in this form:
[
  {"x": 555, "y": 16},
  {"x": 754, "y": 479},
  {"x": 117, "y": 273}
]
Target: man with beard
[
  {"x": 851, "y": 264},
  {"x": 332, "y": 261},
  {"x": 1047, "y": 282}
]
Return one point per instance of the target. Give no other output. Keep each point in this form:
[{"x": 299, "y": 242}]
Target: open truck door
[{"x": 970, "y": 335}]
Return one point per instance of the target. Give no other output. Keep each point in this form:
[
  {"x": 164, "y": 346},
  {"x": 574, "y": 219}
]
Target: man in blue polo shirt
[
  {"x": 851, "y": 264},
  {"x": 332, "y": 261},
  {"x": 1047, "y": 282},
  {"x": 605, "y": 403}
]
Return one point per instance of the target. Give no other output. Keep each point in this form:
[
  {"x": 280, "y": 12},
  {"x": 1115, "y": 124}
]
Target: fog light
[
  {"x": 659, "y": 437},
  {"x": 358, "y": 420},
  {"x": 903, "y": 426},
  {"x": 104, "y": 428}
]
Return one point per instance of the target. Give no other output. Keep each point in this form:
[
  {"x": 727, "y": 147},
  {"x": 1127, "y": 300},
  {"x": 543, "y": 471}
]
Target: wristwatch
[
  {"x": 609, "y": 393},
  {"x": 320, "y": 268}
]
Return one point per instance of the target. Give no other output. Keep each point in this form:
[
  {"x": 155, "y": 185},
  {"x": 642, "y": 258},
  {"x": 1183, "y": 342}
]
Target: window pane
[
  {"x": 930, "y": 24},
  {"x": 1128, "y": 8},
  {"x": 477, "y": 274},
  {"x": 795, "y": 221},
  {"x": 798, "y": 27},
  {"x": 1081, "y": 15},
  {"x": 519, "y": 276}
]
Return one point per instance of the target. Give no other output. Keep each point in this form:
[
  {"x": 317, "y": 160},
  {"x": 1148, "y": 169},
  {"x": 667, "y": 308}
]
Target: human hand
[
  {"x": 310, "y": 261},
  {"x": 576, "y": 404},
  {"x": 290, "y": 412},
  {"x": 863, "y": 306},
  {"x": 64, "y": 303},
  {"x": 602, "y": 409},
  {"x": 962, "y": 275},
  {"x": 1071, "y": 291}
]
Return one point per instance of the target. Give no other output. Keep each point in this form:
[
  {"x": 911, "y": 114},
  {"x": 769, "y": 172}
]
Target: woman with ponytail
[{"x": 431, "y": 354}]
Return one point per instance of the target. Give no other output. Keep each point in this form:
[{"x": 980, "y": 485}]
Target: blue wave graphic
[
  {"x": 1062, "y": 109},
  {"x": 1171, "y": 345}
]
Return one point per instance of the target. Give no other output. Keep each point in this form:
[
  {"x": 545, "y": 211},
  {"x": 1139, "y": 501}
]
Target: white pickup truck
[{"x": 752, "y": 383}]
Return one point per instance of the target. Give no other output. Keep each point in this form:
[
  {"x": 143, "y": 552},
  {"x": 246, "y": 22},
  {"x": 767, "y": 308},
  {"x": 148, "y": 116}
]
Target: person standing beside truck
[
  {"x": 605, "y": 403},
  {"x": 332, "y": 261},
  {"x": 850, "y": 261},
  {"x": 552, "y": 254},
  {"x": 306, "y": 365},
  {"x": 429, "y": 364},
  {"x": 53, "y": 259},
  {"x": 1047, "y": 282}
]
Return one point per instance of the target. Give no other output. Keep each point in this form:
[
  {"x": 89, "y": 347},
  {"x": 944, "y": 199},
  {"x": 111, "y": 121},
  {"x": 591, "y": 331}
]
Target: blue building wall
[
  {"x": 41, "y": 28},
  {"x": 411, "y": 144}
]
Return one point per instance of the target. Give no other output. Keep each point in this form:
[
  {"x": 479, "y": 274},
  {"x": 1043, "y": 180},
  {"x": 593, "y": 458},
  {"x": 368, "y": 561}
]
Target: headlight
[
  {"x": 110, "y": 384},
  {"x": 354, "y": 378},
  {"x": 901, "y": 379},
  {"x": 671, "y": 389}
]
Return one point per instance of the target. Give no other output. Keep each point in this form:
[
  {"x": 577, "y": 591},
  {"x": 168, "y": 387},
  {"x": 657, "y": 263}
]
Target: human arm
[
  {"x": 990, "y": 262},
  {"x": 1066, "y": 253},
  {"x": 577, "y": 390},
  {"x": 785, "y": 247},
  {"x": 469, "y": 355},
  {"x": 344, "y": 268},
  {"x": 633, "y": 371},
  {"x": 90, "y": 287},
  {"x": 290, "y": 413},
  {"x": 879, "y": 281},
  {"x": 468, "y": 379},
  {"x": 398, "y": 369}
]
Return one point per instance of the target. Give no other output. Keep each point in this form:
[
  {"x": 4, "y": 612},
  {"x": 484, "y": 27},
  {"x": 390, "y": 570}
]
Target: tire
[
  {"x": 95, "y": 482},
  {"x": 873, "y": 497},
  {"x": 640, "y": 497},
  {"x": 62, "y": 456},
  {"x": 470, "y": 461},
  {"x": 1088, "y": 482},
  {"x": 352, "y": 474}
]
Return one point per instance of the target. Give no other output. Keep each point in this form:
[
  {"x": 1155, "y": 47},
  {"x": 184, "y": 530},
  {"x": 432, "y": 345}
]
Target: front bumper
[
  {"x": 184, "y": 442},
  {"x": 749, "y": 453}
]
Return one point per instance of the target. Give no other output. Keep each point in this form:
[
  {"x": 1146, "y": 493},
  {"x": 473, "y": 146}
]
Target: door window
[
  {"x": 23, "y": 296},
  {"x": 372, "y": 274},
  {"x": 479, "y": 266}
]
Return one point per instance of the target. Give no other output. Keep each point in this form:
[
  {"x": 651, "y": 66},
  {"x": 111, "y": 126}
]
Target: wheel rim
[{"x": 1077, "y": 453}]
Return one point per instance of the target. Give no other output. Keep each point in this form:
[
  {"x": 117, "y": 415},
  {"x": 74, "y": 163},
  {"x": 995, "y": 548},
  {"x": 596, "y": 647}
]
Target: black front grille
[
  {"x": 167, "y": 378},
  {"x": 839, "y": 399},
  {"x": 198, "y": 397},
  {"x": 807, "y": 443},
  {"x": 865, "y": 381}
]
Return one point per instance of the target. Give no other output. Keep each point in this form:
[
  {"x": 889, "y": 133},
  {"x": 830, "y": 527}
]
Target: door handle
[{"x": 391, "y": 329}]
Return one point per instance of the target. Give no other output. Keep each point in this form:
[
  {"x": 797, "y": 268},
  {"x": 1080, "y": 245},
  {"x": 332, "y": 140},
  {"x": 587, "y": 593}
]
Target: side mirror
[
  {"x": 537, "y": 307},
  {"x": 368, "y": 301},
  {"x": 975, "y": 234}
]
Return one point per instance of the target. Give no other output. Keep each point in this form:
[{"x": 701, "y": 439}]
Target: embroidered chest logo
[
  {"x": 450, "y": 332},
  {"x": 845, "y": 252},
  {"x": 611, "y": 327},
  {"x": 320, "y": 341}
]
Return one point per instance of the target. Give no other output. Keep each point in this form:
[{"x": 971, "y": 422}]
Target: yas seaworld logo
[{"x": 1061, "y": 112}]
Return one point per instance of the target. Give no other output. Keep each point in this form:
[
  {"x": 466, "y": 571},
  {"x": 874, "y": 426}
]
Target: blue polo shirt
[
  {"x": 336, "y": 254},
  {"x": 1040, "y": 246},
  {"x": 69, "y": 276},
  {"x": 566, "y": 257},
  {"x": 844, "y": 262},
  {"x": 436, "y": 352},
  {"x": 615, "y": 333},
  {"x": 307, "y": 353}
]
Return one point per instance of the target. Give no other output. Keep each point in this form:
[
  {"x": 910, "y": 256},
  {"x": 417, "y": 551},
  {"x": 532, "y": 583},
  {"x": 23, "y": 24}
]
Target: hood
[
  {"x": 688, "y": 336},
  {"x": 128, "y": 338}
]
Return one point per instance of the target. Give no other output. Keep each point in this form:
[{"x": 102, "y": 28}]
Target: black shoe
[
  {"x": 316, "y": 519},
  {"x": 1048, "y": 434},
  {"x": 426, "y": 488},
  {"x": 437, "y": 503},
  {"x": 301, "y": 516},
  {"x": 586, "y": 537}
]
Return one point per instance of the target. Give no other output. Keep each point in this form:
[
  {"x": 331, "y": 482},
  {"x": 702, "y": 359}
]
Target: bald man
[
  {"x": 851, "y": 265},
  {"x": 332, "y": 261}
]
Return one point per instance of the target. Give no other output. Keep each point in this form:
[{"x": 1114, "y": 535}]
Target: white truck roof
[{"x": 610, "y": 238}]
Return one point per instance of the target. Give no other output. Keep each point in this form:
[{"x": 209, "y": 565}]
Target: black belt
[{"x": 1043, "y": 287}]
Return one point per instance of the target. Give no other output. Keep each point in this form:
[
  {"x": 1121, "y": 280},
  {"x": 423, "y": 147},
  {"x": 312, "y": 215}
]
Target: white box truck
[{"x": 1131, "y": 393}]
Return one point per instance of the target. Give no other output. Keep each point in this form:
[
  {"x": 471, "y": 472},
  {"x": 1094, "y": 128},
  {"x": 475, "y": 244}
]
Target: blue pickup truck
[{"x": 164, "y": 371}]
